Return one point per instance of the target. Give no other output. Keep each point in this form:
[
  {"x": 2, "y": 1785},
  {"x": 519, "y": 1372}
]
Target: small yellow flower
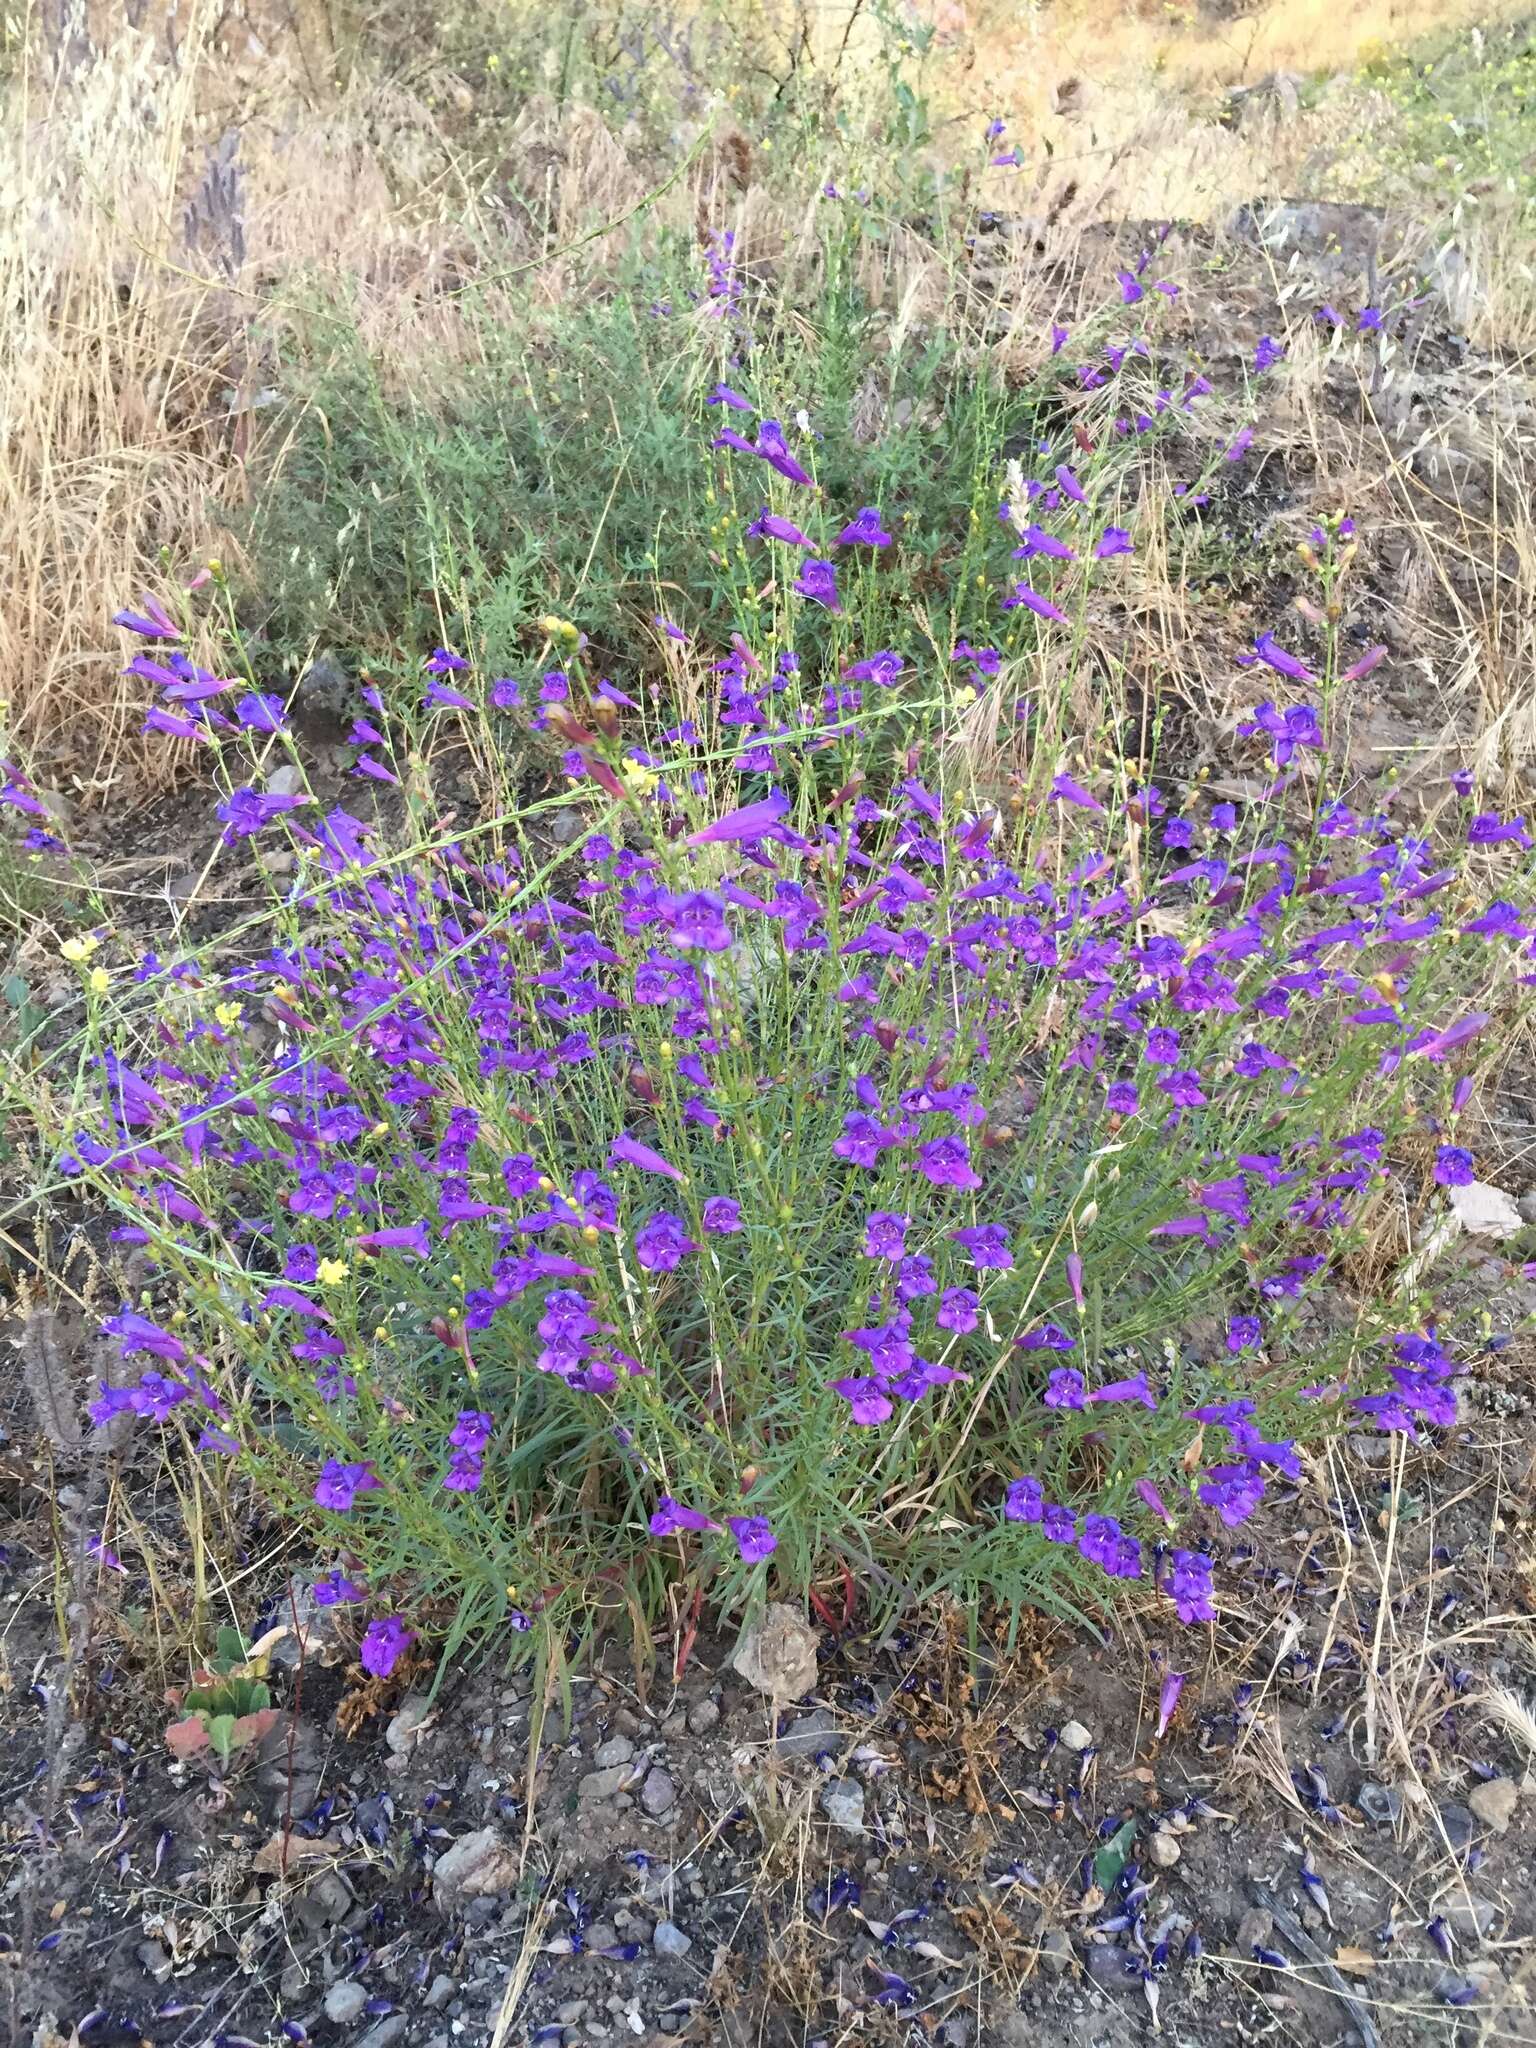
[
  {"x": 332, "y": 1272},
  {"x": 966, "y": 694},
  {"x": 98, "y": 981},
  {"x": 77, "y": 951},
  {"x": 641, "y": 780},
  {"x": 228, "y": 1015}
]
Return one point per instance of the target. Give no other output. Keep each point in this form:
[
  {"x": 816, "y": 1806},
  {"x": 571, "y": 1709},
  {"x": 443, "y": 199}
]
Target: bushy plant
[{"x": 812, "y": 1167}]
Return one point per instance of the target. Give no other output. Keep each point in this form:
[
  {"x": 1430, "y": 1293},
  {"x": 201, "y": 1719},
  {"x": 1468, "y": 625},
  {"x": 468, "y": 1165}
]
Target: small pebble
[
  {"x": 703, "y": 1717},
  {"x": 842, "y": 1801},
  {"x": 1163, "y": 1850},
  {"x": 618, "y": 1749},
  {"x": 439, "y": 1992},
  {"x": 344, "y": 2002},
  {"x": 1380, "y": 1803},
  {"x": 670, "y": 1940},
  {"x": 1074, "y": 1736},
  {"x": 658, "y": 1795},
  {"x": 1494, "y": 1803}
]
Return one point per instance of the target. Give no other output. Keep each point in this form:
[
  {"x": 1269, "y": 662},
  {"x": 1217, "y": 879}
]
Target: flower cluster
[{"x": 797, "y": 1152}]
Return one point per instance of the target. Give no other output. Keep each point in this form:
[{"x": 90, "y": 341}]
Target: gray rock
[
  {"x": 1056, "y": 1952},
  {"x": 618, "y": 1749},
  {"x": 1256, "y": 1929},
  {"x": 842, "y": 1801},
  {"x": 705, "y": 1715},
  {"x": 573, "y": 2012},
  {"x": 1470, "y": 1916},
  {"x": 1380, "y": 1803},
  {"x": 658, "y": 1795},
  {"x": 325, "y": 1902},
  {"x": 1494, "y": 1803},
  {"x": 1527, "y": 1206},
  {"x": 386, "y": 2033},
  {"x": 477, "y": 1866},
  {"x": 1075, "y": 1736},
  {"x": 1458, "y": 1823},
  {"x": 1111, "y": 1968},
  {"x": 1163, "y": 1850},
  {"x": 405, "y": 1727},
  {"x": 670, "y": 1940},
  {"x": 322, "y": 700},
  {"x": 568, "y": 823},
  {"x": 344, "y": 2002},
  {"x": 597, "y": 1786},
  {"x": 287, "y": 779},
  {"x": 812, "y": 1734},
  {"x": 439, "y": 1993},
  {"x": 154, "y": 1958}
]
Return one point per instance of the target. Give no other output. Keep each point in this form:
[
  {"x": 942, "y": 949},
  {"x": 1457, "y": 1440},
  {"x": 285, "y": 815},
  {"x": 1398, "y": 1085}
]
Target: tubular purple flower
[
  {"x": 672, "y": 1518},
  {"x": 754, "y": 1538},
  {"x": 1032, "y": 601},
  {"x": 722, "y": 1215},
  {"x": 153, "y": 623},
  {"x": 864, "y": 530},
  {"x": 817, "y": 580},
  {"x": 1168, "y": 1699},
  {"x": 751, "y": 822},
  {"x": 774, "y": 450},
  {"x": 769, "y": 526},
  {"x": 408, "y": 1237},
  {"x": 384, "y": 1643},
  {"x": 628, "y": 1151}
]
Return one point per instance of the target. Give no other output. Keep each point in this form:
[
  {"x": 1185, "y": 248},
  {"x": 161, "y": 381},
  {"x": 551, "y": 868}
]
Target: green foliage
[{"x": 229, "y": 1706}]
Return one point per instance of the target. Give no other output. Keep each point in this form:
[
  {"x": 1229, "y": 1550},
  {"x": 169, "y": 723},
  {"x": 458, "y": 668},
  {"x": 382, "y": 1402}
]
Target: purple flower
[
  {"x": 1267, "y": 353},
  {"x": 340, "y": 1484},
  {"x": 1058, "y": 1524},
  {"x": 957, "y": 1310},
  {"x": 866, "y": 1398},
  {"x": 1065, "y": 790},
  {"x": 946, "y": 1162},
  {"x": 769, "y": 526},
  {"x": 248, "y": 810},
  {"x": 1268, "y": 650},
  {"x": 1243, "y": 1333},
  {"x": 1488, "y": 829},
  {"x": 722, "y": 1215},
  {"x": 334, "y": 1590},
  {"x": 1168, "y": 1698},
  {"x": 864, "y": 530},
  {"x": 987, "y": 1244},
  {"x": 754, "y": 1539},
  {"x": 383, "y": 1644},
  {"x": 885, "y": 1235},
  {"x": 153, "y": 623},
  {"x": 724, "y": 395},
  {"x": 1454, "y": 1167},
  {"x": 661, "y": 1242},
  {"x": 1183, "y": 1088},
  {"x": 1114, "y": 540},
  {"x": 1131, "y": 292},
  {"x": 260, "y": 713},
  {"x": 1122, "y": 1099},
  {"x": 409, "y": 1237},
  {"x": 750, "y": 823},
  {"x": 774, "y": 450},
  {"x": 671, "y": 1518},
  {"x": 818, "y": 581},
  {"x": 442, "y": 661},
  {"x": 628, "y": 1151},
  {"x": 1049, "y": 1337},
  {"x": 1032, "y": 601},
  {"x": 1065, "y": 1388},
  {"x": 1188, "y": 1583},
  {"x": 1025, "y": 1501},
  {"x": 1135, "y": 1389},
  {"x": 137, "y": 1333}
]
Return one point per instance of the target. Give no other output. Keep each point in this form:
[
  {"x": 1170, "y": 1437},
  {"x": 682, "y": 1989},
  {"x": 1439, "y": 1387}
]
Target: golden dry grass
[{"x": 135, "y": 364}]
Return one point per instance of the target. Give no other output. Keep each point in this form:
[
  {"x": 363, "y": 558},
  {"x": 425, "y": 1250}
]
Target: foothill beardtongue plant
[{"x": 811, "y": 1166}]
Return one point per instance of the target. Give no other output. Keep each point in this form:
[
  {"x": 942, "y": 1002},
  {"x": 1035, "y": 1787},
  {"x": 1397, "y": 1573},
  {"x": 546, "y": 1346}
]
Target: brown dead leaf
[
  {"x": 280, "y": 1856},
  {"x": 1358, "y": 1961}
]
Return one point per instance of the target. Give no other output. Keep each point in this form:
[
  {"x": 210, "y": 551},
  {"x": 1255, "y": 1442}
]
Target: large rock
[{"x": 478, "y": 1866}]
